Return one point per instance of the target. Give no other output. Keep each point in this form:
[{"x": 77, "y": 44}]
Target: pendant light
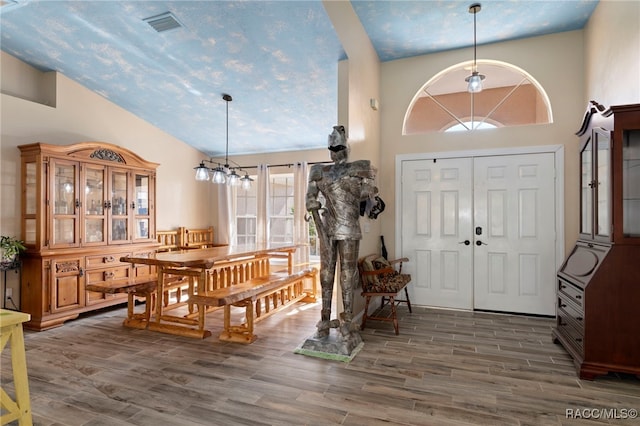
[
  {"x": 202, "y": 172},
  {"x": 223, "y": 174},
  {"x": 233, "y": 179},
  {"x": 219, "y": 173},
  {"x": 245, "y": 182},
  {"x": 475, "y": 79}
]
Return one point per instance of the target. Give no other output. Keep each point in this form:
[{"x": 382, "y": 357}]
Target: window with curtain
[
  {"x": 246, "y": 215},
  {"x": 281, "y": 203},
  {"x": 281, "y": 222},
  {"x": 281, "y": 207}
]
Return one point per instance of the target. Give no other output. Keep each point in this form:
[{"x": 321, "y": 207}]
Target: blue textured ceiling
[{"x": 278, "y": 59}]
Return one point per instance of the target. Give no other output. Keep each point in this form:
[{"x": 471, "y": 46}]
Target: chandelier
[
  {"x": 475, "y": 79},
  {"x": 223, "y": 174}
]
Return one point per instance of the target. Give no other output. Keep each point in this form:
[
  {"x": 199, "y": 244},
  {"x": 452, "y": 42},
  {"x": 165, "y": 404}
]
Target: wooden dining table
[{"x": 195, "y": 264}]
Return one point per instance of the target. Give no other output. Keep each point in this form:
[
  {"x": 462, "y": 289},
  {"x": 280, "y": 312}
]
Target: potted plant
[{"x": 10, "y": 249}]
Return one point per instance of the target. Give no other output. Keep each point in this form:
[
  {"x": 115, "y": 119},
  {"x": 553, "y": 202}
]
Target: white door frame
[{"x": 557, "y": 150}]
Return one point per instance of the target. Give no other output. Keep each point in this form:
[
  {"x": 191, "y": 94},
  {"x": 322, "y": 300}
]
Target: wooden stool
[{"x": 11, "y": 330}]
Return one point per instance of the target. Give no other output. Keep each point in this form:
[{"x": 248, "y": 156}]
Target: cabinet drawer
[
  {"x": 567, "y": 311},
  {"x": 573, "y": 293},
  {"x": 573, "y": 336},
  {"x": 95, "y": 297},
  {"x": 102, "y": 260},
  {"x": 142, "y": 272},
  {"x": 120, "y": 273}
]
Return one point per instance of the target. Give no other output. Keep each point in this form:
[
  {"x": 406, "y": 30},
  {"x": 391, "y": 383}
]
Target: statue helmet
[{"x": 338, "y": 139}]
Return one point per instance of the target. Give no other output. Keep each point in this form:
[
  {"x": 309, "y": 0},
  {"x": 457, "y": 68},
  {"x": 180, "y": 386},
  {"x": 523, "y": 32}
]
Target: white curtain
[
  {"x": 300, "y": 226},
  {"x": 263, "y": 213},
  {"x": 226, "y": 227}
]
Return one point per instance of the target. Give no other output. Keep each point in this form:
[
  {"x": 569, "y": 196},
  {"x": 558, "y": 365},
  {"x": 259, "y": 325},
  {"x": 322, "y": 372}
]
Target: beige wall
[
  {"x": 612, "y": 53},
  {"x": 25, "y": 82},
  {"x": 555, "y": 61},
  {"x": 81, "y": 115},
  {"x": 358, "y": 83}
]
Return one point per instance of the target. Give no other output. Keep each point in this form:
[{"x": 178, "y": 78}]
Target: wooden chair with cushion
[{"x": 383, "y": 278}]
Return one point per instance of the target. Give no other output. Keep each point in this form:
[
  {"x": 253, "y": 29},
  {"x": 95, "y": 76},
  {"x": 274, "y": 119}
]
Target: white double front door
[{"x": 480, "y": 232}]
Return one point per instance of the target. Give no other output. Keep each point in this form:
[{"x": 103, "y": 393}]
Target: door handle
[
  {"x": 465, "y": 242},
  {"x": 479, "y": 243}
]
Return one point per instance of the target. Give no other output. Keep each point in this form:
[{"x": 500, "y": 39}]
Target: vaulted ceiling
[{"x": 277, "y": 59}]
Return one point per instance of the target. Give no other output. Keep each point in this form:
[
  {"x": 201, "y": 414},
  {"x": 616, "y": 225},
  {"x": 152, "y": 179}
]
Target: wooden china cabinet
[
  {"x": 598, "y": 312},
  {"x": 83, "y": 207}
]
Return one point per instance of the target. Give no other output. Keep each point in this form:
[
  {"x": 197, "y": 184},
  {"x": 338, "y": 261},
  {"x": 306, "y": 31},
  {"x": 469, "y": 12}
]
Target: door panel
[
  {"x": 436, "y": 217},
  {"x": 480, "y": 232},
  {"x": 514, "y": 265}
]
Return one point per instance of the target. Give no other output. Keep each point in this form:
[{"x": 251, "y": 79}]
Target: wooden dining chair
[{"x": 383, "y": 278}]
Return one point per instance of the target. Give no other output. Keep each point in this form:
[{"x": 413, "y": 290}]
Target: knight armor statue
[{"x": 341, "y": 186}]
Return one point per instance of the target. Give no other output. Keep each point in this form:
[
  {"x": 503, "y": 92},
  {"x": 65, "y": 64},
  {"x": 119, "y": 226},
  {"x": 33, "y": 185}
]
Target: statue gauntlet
[{"x": 313, "y": 205}]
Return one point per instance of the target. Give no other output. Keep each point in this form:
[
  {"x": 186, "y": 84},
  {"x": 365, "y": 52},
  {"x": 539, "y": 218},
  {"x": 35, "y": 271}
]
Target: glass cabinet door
[
  {"x": 29, "y": 207},
  {"x": 631, "y": 183},
  {"x": 95, "y": 200},
  {"x": 118, "y": 203},
  {"x": 142, "y": 206},
  {"x": 603, "y": 185},
  {"x": 64, "y": 204},
  {"x": 586, "y": 190}
]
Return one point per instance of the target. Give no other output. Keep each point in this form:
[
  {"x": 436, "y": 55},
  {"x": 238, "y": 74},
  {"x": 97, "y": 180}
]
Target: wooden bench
[
  {"x": 180, "y": 239},
  {"x": 272, "y": 292},
  {"x": 193, "y": 238},
  {"x": 146, "y": 290},
  {"x": 185, "y": 238},
  {"x": 169, "y": 240},
  {"x": 221, "y": 275}
]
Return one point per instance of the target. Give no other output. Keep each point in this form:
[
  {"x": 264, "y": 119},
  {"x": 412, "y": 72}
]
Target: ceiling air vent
[{"x": 163, "y": 22}]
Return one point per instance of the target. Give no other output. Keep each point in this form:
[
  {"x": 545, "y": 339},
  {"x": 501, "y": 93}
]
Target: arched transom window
[{"x": 510, "y": 97}]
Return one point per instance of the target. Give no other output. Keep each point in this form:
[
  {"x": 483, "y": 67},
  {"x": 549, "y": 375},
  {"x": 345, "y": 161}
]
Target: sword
[{"x": 315, "y": 213}]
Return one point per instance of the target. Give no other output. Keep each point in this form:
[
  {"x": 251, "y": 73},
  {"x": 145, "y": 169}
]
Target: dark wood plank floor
[{"x": 445, "y": 368}]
